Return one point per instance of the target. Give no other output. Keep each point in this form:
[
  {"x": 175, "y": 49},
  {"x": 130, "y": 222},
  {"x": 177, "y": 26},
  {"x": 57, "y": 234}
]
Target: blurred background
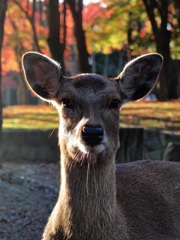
[
  {"x": 98, "y": 36},
  {"x": 90, "y": 36}
]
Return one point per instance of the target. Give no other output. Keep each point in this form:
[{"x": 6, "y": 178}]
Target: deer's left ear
[
  {"x": 139, "y": 76},
  {"x": 42, "y": 75}
]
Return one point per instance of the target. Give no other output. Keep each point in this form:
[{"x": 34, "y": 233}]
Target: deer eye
[
  {"x": 66, "y": 103},
  {"x": 115, "y": 104}
]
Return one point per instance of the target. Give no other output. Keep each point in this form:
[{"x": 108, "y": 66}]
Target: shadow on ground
[{"x": 28, "y": 193}]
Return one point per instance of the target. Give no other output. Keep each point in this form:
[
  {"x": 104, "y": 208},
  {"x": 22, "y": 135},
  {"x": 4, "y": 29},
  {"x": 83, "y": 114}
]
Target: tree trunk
[
  {"x": 177, "y": 7},
  {"x": 178, "y": 74},
  {"x": 76, "y": 8},
  {"x": 162, "y": 39},
  {"x": 23, "y": 94},
  {"x": 3, "y": 8},
  {"x": 166, "y": 90},
  {"x": 56, "y": 47}
]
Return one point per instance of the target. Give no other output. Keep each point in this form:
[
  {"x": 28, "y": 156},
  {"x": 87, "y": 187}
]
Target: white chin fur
[{"x": 95, "y": 149}]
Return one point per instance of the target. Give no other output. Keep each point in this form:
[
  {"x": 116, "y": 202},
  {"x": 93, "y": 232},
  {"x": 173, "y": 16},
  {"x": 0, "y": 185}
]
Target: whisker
[
  {"x": 87, "y": 178},
  {"x": 94, "y": 177}
]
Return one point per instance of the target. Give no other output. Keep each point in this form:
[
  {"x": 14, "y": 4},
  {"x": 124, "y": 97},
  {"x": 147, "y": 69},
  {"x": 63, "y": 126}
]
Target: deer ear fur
[
  {"x": 42, "y": 75},
  {"x": 139, "y": 76}
]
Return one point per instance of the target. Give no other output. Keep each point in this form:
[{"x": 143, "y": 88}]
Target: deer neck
[{"x": 87, "y": 199}]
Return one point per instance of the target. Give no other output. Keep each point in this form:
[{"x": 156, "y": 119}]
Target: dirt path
[{"x": 28, "y": 193}]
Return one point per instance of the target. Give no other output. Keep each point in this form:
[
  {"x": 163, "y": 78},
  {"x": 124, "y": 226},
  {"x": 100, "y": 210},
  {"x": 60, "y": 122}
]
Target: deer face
[{"x": 89, "y": 104}]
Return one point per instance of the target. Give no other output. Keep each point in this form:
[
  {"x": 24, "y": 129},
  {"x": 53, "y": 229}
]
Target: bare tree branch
[
  {"x": 31, "y": 21},
  {"x": 150, "y": 11}
]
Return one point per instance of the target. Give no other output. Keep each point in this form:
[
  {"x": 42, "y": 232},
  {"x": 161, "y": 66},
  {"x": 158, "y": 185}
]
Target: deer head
[{"x": 89, "y": 104}]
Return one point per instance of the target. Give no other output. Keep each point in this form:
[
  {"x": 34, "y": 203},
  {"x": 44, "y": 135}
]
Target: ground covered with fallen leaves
[
  {"x": 147, "y": 114},
  {"x": 28, "y": 193}
]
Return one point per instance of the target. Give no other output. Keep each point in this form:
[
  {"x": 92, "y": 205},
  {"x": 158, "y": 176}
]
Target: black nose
[{"x": 92, "y": 135}]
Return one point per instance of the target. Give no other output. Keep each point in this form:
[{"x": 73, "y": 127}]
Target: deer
[{"x": 99, "y": 199}]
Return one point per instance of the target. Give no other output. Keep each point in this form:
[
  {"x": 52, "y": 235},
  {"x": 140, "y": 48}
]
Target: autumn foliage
[{"x": 109, "y": 25}]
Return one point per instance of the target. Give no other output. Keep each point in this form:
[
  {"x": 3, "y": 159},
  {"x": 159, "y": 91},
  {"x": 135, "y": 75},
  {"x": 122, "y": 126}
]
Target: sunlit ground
[
  {"x": 153, "y": 115},
  {"x": 156, "y": 115},
  {"x": 30, "y": 117}
]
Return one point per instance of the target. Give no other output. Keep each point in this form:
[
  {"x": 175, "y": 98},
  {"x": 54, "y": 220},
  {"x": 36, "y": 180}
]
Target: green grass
[{"x": 153, "y": 115}]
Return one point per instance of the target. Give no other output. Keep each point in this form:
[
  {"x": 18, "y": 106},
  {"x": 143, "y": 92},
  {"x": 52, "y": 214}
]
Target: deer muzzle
[{"x": 92, "y": 135}]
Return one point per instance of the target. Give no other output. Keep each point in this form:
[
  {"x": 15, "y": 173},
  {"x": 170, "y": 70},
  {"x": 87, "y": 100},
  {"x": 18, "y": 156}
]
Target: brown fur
[{"x": 97, "y": 201}]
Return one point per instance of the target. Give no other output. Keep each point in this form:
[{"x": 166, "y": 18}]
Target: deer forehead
[{"x": 89, "y": 87}]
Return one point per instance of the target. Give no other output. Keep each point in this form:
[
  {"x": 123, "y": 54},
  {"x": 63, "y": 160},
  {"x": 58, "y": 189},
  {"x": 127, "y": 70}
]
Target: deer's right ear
[
  {"x": 42, "y": 75},
  {"x": 139, "y": 76}
]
